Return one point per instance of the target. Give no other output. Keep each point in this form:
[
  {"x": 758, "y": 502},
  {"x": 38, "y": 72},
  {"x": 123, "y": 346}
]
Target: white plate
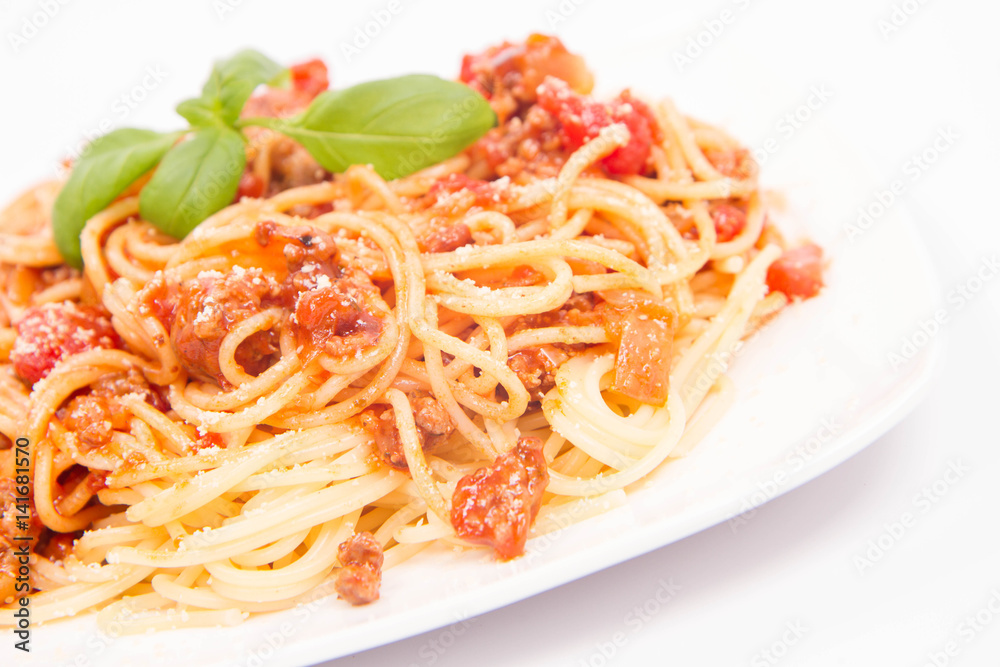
[{"x": 822, "y": 366}]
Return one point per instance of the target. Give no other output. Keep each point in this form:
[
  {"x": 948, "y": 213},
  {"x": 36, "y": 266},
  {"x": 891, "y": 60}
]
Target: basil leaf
[
  {"x": 228, "y": 88},
  {"x": 105, "y": 169},
  {"x": 398, "y": 125},
  {"x": 199, "y": 113},
  {"x": 196, "y": 178}
]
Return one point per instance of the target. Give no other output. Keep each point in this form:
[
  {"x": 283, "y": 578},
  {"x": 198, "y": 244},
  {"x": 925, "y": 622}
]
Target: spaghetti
[{"x": 336, "y": 371}]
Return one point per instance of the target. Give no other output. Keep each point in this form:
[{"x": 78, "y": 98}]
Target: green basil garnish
[
  {"x": 105, "y": 169},
  {"x": 196, "y": 178},
  {"x": 229, "y": 87},
  {"x": 397, "y": 125}
]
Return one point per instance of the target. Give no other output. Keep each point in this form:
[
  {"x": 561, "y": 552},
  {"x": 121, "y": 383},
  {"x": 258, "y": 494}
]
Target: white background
[{"x": 797, "y": 562}]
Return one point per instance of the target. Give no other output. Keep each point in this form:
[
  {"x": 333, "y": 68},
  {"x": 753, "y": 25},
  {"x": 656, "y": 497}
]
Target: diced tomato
[
  {"x": 250, "y": 186},
  {"x": 308, "y": 80},
  {"x": 729, "y": 221},
  {"x": 642, "y": 125},
  {"x": 467, "y": 74},
  {"x": 496, "y": 505},
  {"x": 48, "y": 334},
  {"x": 798, "y": 272},
  {"x": 582, "y": 118},
  {"x": 509, "y": 74},
  {"x": 643, "y": 328},
  {"x": 310, "y": 77}
]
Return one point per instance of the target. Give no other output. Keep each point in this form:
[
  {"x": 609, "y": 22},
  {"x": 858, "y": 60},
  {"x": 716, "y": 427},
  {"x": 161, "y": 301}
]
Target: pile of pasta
[{"x": 229, "y": 497}]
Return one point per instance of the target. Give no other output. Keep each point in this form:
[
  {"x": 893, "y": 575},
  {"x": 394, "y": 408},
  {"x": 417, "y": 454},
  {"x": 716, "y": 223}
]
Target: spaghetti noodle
[{"x": 336, "y": 371}]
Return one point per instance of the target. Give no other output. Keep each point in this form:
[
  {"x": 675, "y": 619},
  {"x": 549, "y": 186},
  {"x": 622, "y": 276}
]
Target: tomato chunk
[
  {"x": 509, "y": 74},
  {"x": 308, "y": 80},
  {"x": 250, "y": 186},
  {"x": 582, "y": 118},
  {"x": 48, "y": 334},
  {"x": 310, "y": 77},
  {"x": 643, "y": 328},
  {"x": 496, "y": 505},
  {"x": 798, "y": 272},
  {"x": 729, "y": 221}
]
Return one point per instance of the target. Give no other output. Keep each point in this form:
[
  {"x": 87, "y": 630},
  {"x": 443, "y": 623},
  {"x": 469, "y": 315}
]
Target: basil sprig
[
  {"x": 398, "y": 125},
  {"x": 392, "y": 124},
  {"x": 105, "y": 169},
  {"x": 229, "y": 86}
]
